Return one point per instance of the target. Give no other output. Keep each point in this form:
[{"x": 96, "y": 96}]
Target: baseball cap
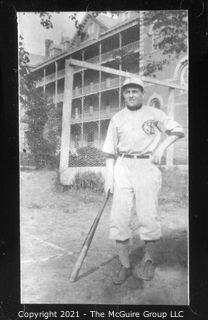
[{"x": 135, "y": 81}]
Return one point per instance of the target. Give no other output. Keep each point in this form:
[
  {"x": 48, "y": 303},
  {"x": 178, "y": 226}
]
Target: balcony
[
  {"x": 94, "y": 116},
  {"x": 105, "y": 57},
  {"x": 108, "y": 56},
  {"x": 93, "y": 88},
  {"x": 60, "y": 98}
]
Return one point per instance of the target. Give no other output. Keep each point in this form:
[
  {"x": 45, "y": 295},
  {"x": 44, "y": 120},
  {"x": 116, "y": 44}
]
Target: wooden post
[
  {"x": 56, "y": 84},
  {"x": 141, "y": 44},
  {"x": 82, "y": 104},
  {"x": 88, "y": 65},
  {"x": 99, "y": 95},
  {"x": 44, "y": 81},
  {"x": 66, "y": 117},
  {"x": 171, "y": 107},
  {"x": 120, "y": 67}
]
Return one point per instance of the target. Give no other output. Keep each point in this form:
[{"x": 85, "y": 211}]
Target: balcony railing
[
  {"x": 109, "y": 55},
  {"x": 104, "y": 58},
  {"x": 60, "y": 98},
  {"x": 90, "y": 89},
  {"x": 94, "y": 116},
  {"x": 94, "y": 87}
]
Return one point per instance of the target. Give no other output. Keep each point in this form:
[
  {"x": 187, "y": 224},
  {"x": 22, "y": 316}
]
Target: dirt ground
[{"x": 54, "y": 224}]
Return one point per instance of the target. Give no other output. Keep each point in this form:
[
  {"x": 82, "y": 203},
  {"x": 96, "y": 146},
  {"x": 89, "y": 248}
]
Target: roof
[
  {"x": 84, "y": 21},
  {"x": 118, "y": 24},
  {"x": 35, "y": 59},
  {"x": 107, "y": 21}
]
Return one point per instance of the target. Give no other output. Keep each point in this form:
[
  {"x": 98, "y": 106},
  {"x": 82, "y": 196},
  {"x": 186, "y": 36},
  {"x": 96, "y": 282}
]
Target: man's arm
[
  {"x": 109, "y": 148},
  {"x": 174, "y": 132},
  {"x": 109, "y": 178},
  {"x": 158, "y": 153}
]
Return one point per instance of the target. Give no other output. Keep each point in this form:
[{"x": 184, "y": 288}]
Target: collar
[{"x": 134, "y": 108}]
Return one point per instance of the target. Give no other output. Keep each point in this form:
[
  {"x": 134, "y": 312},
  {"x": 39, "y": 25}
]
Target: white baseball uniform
[{"x": 136, "y": 132}]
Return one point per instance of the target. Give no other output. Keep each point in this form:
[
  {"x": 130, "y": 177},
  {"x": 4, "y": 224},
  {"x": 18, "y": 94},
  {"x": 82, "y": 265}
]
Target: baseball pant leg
[
  {"x": 122, "y": 205},
  {"x": 147, "y": 187}
]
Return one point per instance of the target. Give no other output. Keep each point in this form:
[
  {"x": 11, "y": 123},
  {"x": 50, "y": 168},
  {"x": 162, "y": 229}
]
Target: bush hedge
[
  {"x": 89, "y": 180},
  {"x": 87, "y": 157}
]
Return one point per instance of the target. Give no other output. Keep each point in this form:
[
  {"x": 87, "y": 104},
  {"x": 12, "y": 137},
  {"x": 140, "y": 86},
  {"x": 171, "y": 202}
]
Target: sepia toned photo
[{"x": 103, "y": 143}]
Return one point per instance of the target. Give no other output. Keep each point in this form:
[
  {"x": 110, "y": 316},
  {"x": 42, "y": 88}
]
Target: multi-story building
[{"x": 122, "y": 43}]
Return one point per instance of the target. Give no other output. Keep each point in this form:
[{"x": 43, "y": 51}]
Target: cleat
[
  {"x": 145, "y": 270},
  {"x": 122, "y": 275}
]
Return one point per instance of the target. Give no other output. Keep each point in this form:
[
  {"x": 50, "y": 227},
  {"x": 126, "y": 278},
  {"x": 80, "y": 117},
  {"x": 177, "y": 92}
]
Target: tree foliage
[
  {"x": 171, "y": 29},
  {"x": 39, "y": 114}
]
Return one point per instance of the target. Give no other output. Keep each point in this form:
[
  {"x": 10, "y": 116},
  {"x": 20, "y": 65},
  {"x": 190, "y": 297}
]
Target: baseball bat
[{"x": 88, "y": 240}]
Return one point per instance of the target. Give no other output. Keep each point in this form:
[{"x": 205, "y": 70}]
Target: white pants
[{"x": 139, "y": 179}]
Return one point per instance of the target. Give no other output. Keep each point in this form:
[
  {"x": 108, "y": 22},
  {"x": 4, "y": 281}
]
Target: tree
[
  {"x": 36, "y": 109},
  {"x": 170, "y": 28}
]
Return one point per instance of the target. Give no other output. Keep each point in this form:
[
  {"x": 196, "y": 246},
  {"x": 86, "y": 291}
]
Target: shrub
[
  {"x": 89, "y": 180},
  {"x": 87, "y": 157},
  {"x": 26, "y": 159},
  {"x": 174, "y": 186}
]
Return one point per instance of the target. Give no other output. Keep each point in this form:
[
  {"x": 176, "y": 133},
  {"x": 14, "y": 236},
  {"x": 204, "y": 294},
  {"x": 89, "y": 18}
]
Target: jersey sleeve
[
  {"x": 170, "y": 126},
  {"x": 110, "y": 144}
]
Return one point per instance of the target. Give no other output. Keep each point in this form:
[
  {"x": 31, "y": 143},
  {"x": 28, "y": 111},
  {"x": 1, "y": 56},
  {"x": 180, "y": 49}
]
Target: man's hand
[
  {"x": 109, "y": 178},
  {"x": 109, "y": 186},
  {"x": 157, "y": 155}
]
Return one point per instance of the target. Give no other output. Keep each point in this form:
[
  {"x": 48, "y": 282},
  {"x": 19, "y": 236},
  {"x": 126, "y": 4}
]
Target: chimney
[
  {"x": 65, "y": 42},
  {"x": 48, "y": 42}
]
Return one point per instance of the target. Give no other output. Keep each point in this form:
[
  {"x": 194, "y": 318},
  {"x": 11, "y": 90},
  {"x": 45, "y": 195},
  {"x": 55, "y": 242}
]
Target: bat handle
[{"x": 108, "y": 194}]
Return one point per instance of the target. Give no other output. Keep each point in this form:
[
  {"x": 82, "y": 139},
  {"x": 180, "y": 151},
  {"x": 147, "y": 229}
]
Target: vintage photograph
[{"x": 103, "y": 143}]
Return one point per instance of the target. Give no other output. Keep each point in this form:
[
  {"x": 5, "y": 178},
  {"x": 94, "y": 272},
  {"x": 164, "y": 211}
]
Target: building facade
[{"x": 121, "y": 43}]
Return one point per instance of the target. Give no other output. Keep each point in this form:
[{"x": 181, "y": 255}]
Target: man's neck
[{"x": 134, "y": 108}]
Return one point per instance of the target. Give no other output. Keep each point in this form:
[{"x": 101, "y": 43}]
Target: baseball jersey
[{"x": 138, "y": 131}]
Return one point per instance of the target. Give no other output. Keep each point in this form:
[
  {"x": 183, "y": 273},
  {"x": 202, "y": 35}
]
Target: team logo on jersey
[{"x": 149, "y": 127}]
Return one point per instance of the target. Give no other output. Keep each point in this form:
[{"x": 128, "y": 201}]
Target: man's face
[{"x": 133, "y": 96}]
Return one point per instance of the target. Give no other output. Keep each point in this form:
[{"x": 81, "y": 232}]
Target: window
[
  {"x": 91, "y": 109},
  {"x": 90, "y": 137},
  {"x": 184, "y": 76},
  {"x": 181, "y": 72},
  {"x": 155, "y": 102}
]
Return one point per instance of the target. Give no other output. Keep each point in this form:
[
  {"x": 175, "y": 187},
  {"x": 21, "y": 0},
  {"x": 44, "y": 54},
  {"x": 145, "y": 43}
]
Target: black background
[{"x": 198, "y": 145}]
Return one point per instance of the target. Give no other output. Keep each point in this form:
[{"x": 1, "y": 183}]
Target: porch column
[
  {"x": 141, "y": 43},
  {"x": 66, "y": 117},
  {"x": 171, "y": 108},
  {"x": 56, "y": 84},
  {"x": 44, "y": 81},
  {"x": 99, "y": 95},
  {"x": 120, "y": 68},
  {"x": 82, "y": 104}
]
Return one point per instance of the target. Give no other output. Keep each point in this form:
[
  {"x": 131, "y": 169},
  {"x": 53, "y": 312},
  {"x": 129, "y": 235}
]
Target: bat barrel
[{"x": 87, "y": 242}]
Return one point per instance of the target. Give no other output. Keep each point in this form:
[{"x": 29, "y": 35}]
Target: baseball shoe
[
  {"x": 145, "y": 270},
  {"x": 122, "y": 275}
]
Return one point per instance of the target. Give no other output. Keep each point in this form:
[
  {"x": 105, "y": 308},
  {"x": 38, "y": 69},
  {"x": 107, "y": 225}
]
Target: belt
[{"x": 134, "y": 156}]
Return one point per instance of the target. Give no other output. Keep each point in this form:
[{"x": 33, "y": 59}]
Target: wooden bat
[{"x": 87, "y": 242}]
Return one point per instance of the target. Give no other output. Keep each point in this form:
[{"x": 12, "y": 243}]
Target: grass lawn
[{"x": 54, "y": 224}]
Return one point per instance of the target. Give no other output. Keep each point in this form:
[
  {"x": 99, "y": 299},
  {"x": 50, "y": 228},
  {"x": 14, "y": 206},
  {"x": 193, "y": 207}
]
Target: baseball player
[{"x": 133, "y": 150}]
